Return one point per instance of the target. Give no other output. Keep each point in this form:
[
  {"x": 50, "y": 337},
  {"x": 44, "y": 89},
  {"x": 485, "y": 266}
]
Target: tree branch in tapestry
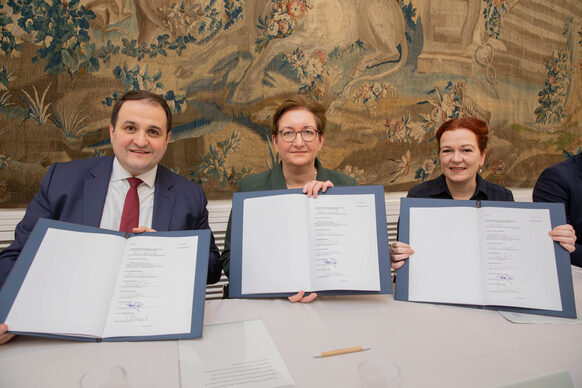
[
  {"x": 7, "y": 39},
  {"x": 552, "y": 97},
  {"x": 61, "y": 29},
  {"x": 213, "y": 164},
  {"x": 133, "y": 79}
]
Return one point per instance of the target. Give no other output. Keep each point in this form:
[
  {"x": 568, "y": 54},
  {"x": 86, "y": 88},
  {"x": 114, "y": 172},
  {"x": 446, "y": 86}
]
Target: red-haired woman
[{"x": 462, "y": 146}]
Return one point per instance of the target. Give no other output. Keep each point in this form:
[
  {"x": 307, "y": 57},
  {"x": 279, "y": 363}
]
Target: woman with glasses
[
  {"x": 462, "y": 146},
  {"x": 298, "y": 133}
]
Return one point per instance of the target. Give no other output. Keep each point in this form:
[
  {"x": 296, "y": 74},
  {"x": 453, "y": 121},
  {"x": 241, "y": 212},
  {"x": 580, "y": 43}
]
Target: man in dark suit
[
  {"x": 562, "y": 182},
  {"x": 93, "y": 191}
]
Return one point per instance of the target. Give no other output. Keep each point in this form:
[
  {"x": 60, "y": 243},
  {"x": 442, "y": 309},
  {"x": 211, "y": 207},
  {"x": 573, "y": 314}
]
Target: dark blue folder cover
[
  {"x": 235, "y": 286},
  {"x": 17, "y": 275},
  {"x": 557, "y": 217}
]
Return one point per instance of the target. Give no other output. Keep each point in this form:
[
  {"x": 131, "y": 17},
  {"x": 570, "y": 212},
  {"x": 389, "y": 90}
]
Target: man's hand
[
  {"x": 399, "y": 252},
  {"x": 142, "y": 229}
]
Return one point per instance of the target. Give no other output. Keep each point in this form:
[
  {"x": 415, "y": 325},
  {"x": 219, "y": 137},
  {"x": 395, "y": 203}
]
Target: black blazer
[{"x": 562, "y": 182}]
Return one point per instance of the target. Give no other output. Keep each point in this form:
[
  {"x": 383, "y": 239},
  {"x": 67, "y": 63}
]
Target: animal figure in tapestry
[{"x": 319, "y": 25}]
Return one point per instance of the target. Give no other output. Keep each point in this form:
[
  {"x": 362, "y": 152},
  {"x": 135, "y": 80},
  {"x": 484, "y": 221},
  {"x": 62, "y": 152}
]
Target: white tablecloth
[{"x": 434, "y": 345}]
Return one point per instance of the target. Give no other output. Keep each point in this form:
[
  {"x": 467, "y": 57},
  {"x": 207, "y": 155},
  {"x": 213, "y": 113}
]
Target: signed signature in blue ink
[
  {"x": 135, "y": 305},
  {"x": 330, "y": 261},
  {"x": 505, "y": 276}
]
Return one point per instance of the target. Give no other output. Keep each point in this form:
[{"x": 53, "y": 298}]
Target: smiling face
[
  {"x": 460, "y": 156},
  {"x": 298, "y": 153},
  {"x": 140, "y": 136}
]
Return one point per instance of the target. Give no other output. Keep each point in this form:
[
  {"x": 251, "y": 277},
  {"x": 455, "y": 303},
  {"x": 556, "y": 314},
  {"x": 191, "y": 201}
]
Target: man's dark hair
[{"x": 134, "y": 95}]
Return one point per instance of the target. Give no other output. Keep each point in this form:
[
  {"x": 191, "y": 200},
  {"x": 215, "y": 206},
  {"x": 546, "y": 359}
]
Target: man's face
[{"x": 140, "y": 137}]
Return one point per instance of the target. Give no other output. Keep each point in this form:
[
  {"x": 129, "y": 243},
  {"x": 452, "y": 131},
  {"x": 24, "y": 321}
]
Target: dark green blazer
[{"x": 274, "y": 180}]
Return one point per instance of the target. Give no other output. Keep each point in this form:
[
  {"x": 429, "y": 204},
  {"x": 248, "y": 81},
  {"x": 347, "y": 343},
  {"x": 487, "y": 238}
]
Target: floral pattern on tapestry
[{"x": 390, "y": 71}]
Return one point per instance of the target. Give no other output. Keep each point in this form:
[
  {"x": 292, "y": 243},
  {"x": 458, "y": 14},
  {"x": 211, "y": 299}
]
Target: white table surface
[{"x": 434, "y": 345}]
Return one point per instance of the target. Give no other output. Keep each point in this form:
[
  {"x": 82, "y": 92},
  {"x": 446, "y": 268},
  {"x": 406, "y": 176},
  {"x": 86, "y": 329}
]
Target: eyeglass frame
[{"x": 302, "y": 132}]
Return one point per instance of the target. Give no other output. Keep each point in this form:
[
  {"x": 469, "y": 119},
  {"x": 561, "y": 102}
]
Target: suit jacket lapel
[
  {"x": 164, "y": 199},
  {"x": 95, "y": 191}
]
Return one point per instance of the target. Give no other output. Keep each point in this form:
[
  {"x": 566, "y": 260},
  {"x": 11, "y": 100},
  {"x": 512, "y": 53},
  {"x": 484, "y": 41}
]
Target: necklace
[{"x": 315, "y": 175}]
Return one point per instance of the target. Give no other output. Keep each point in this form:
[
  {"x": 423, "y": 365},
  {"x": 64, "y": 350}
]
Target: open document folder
[
  {"x": 283, "y": 241},
  {"x": 487, "y": 253},
  {"x": 86, "y": 283}
]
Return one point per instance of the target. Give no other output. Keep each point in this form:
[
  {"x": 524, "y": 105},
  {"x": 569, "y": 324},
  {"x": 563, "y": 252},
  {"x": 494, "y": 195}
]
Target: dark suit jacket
[
  {"x": 75, "y": 192},
  {"x": 562, "y": 182}
]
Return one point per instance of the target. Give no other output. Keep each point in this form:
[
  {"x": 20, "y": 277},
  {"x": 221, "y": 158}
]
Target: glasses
[{"x": 289, "y": 135}]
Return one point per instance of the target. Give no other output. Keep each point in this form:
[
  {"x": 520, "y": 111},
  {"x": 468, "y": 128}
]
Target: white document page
[
  {"x": 344, "y": 243},
  {"x": 519, "y": 261},
  {"x": 275, "y": 247},
  {"x": 445, "y": 266},
  {"x": 155, "y": 287},
  {"x": 69, "y": 284},
  {"x": 238, "y": 354}
]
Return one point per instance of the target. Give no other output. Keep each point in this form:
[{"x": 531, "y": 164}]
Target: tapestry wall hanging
[{"x": 390, "y": 72}]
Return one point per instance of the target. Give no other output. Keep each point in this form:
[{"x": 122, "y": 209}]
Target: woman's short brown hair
[
  {"x": 301, "y": 103},
  {"x": 478, "y": 127}
]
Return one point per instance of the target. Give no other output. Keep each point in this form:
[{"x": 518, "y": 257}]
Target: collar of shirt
[
  {"x": 440, "y": 189},
  {"x": 116, "y": 192},
  {"x": 482, "y": 190},
  {"x": 119, "y": 173}
]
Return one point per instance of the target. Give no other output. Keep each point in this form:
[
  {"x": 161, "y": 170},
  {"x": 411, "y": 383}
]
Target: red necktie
[{"x": 130, "y": 215}]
